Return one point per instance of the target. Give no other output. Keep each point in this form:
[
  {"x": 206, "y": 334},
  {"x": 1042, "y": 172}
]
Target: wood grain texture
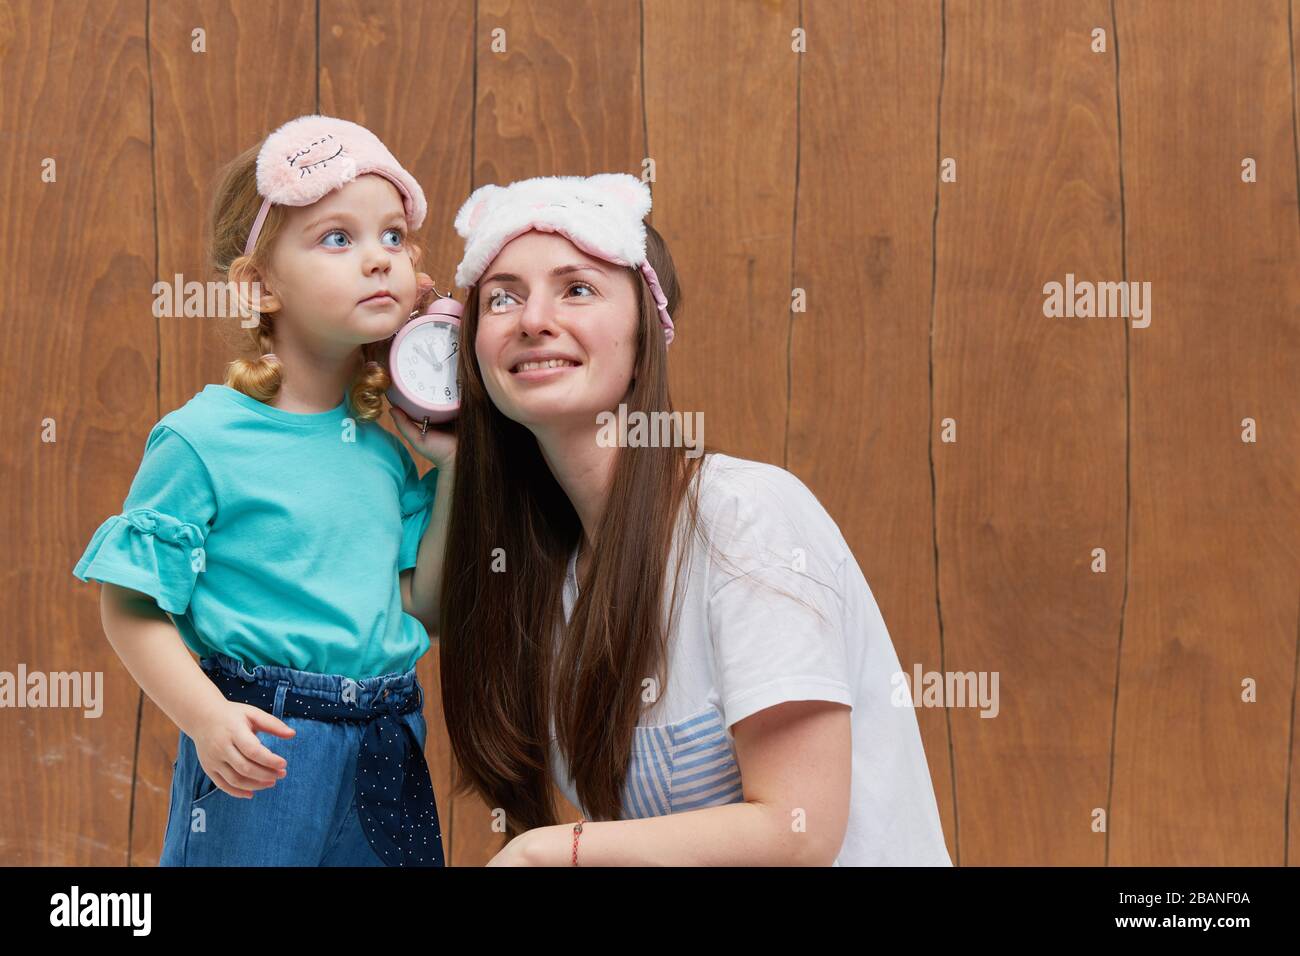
[
  {"x": 1291, "y": 812},
  {"x": 80, "y": 348},
  {"x": 1035, "y": 479},
  {"x": 868, "y": 96},
  {"x": 721, "y": 101},
  {"x": 1200, "y": 776},
  {"x": 775, "y": 171}
]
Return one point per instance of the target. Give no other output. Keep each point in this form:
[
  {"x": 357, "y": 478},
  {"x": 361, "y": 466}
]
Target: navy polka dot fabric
[{"x": 393, "y": 788}]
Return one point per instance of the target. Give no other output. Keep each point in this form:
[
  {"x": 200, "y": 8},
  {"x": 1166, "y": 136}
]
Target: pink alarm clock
[{"x": 423, "y": 361}]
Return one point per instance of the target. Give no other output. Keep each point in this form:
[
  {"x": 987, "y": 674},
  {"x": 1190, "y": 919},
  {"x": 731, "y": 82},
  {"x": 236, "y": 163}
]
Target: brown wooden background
[{"x": 774, "y": 170}]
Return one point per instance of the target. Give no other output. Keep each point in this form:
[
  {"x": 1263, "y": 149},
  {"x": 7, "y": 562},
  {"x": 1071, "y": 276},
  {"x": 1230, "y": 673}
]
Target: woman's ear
[{"x": 254, "y": 293}]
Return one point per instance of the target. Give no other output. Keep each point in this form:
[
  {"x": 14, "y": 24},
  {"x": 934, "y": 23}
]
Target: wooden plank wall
[{"x": 981, "y": 458}]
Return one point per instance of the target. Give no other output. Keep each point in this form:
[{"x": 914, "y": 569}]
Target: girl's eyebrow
[
  {"x": 345, "y": 217},
  {"x": 557, "y": 271}
]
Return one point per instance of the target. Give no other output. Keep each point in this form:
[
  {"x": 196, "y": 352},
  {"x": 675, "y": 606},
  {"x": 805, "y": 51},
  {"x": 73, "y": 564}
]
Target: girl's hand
[
  {"x": 231, "y": 754},
  {"x": 438, "y": 443}
]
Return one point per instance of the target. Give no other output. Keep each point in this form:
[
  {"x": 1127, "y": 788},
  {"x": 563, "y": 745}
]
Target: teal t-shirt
[{"x": 274, "y": 537}]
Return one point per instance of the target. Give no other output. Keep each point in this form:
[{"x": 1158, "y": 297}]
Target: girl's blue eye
[{"x": 400, "y": 236}]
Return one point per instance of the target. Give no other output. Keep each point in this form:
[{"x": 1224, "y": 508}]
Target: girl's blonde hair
[{"x": 234, "y": 207}]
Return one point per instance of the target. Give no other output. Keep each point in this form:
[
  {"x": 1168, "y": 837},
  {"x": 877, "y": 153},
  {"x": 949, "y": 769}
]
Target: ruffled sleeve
[
  {"x": 417, "y": 507},
  {"x": 156, "y": 545}
]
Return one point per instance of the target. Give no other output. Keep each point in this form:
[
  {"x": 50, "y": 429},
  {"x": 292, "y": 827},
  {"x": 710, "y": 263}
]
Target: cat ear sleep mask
[{"x": 601, "y": 215}]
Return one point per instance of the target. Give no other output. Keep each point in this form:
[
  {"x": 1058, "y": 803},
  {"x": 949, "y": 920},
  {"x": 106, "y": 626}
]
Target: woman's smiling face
[{"x": 543, "y": 297}]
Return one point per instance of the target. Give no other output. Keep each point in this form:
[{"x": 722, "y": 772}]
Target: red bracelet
[{"x": 577, "y": 828}]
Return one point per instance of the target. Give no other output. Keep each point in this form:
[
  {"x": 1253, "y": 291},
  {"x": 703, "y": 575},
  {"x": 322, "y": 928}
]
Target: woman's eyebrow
[{"x": 557, "y": 271}]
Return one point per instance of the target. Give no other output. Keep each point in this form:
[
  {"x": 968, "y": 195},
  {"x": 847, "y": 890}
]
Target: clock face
[{"x": 427, "y": 363}]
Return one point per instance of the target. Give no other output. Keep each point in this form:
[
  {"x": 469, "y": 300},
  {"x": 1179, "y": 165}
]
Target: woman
[{"x": 691, "y": 636}]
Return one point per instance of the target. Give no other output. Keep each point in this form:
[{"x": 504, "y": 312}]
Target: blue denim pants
[{"x": 311, "y": 816}]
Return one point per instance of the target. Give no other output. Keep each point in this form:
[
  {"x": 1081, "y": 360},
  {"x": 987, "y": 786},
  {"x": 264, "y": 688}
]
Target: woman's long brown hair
[{"x": 511, "y": 532}]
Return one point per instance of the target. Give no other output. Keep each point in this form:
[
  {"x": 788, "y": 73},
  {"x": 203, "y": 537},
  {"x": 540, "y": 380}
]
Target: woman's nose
[{"x": 538, "y": 316}]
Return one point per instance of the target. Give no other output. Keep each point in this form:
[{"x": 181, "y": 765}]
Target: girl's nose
[{"x": 377, "y": 258}]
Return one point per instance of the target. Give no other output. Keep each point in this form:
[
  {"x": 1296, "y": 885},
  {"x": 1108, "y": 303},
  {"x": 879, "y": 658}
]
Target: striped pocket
[{"x": 682, "y": 766}]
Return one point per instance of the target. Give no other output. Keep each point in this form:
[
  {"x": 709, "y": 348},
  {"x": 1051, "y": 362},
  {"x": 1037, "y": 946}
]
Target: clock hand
[{"x": 426, "y": 352}]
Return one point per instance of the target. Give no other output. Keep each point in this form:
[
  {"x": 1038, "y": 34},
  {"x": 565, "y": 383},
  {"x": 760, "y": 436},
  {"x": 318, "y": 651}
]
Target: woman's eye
[
  {"x": 333, "y": 232},
  {"x": 396, "y": 232},
  {"x": 498, "y": 299}
]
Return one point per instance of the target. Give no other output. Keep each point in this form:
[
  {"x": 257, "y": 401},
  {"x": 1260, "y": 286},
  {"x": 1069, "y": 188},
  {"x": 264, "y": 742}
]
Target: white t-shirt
[{"x": 737, "y": 647}]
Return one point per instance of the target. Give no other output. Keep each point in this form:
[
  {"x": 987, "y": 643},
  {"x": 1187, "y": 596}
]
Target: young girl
[
  {"x": 286, "y": 537},
  {"x": 743, "y": 711}
]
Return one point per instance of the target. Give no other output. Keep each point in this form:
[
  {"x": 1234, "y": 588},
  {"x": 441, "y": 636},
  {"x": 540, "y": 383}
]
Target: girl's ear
[{"x": 251, "y": 288}]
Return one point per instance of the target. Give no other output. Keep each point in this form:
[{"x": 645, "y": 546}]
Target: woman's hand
[
  {"x": 230, "y": 752},
  {"x": 515, "y": 853},
  {"x": 424, "y": 292},
  {"x": 438, "y": 443},
  {"x": 540, "y": 846}
]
